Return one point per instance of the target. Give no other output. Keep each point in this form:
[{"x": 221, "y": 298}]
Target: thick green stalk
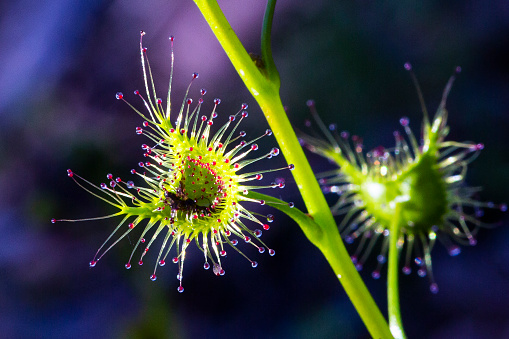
[
  {"x": 395, "y": 323},
  {"x": 320, "y": 228}
]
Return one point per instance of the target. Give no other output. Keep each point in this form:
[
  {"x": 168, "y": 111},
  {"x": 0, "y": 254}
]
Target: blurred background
[{"x": 62, "y": 63}]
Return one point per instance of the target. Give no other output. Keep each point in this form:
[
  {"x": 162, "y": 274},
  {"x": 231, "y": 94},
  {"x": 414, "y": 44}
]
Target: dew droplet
[
  {"x": 291, "y": 167},
  {"x": 206, "y": 265},
  {"x": 381, "y": 258},
  {"x": 404, "y": 121},
  {"x": 53, "y": 220},
  {"x": 454, "y": 250},
  {"x": 254, "y": 264},
  {"x": 258, "y": 233},
  {"x": 119, "y": 95},
  {"x": 291, "y": 204},
  {"x": 433, "y": 288},
  {"x": 271, "y": 252},
  {"x": 418, "y": 261},
  {"x": 180, "y": 289},
  {"x": 375, "y": 274},
  {"x": 128, "y": 266},
  {"x": 407, "y": 270},
  {"x": 93, "y": 263},
  {"x": 153, "y": 277},
  {"x": 408, "y": 66},
  {"x": 421, "y": 272},
  {"x": 162, "y": 262}
]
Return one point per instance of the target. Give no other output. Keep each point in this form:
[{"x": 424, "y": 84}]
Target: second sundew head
[
  {"x": 196, "y": 182},
  {"x": 425, "y": 179}
]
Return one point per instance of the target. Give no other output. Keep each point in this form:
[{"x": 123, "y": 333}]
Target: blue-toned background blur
[{"x": 62, "y": 62}]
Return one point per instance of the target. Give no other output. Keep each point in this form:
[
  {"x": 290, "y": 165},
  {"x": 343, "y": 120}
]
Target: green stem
[
  {"x": 395, "y": 323},
  {"x": 268, "y": 60},
  {"x": 320, "y": 228}
]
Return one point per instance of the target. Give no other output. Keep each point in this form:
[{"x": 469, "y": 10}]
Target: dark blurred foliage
[{"x": 62, "y": 63}]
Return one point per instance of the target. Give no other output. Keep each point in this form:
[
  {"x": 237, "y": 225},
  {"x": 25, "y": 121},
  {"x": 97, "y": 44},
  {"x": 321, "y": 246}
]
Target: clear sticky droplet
[
  {"x": 404, "y": 121},
  {"x": 433, "y": 288},
  {"x": 454, "y": 250}
]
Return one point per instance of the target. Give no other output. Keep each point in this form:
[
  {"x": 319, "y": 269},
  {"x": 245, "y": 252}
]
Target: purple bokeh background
[{"x": 62, "y": 63}]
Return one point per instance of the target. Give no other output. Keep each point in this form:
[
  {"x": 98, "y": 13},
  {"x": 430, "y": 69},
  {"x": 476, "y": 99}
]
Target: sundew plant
[{"x": 196, "y": 186}]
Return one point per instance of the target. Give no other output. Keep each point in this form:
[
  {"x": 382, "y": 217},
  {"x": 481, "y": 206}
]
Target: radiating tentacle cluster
[
  {"x": 194, "y": 182},
  {"x": 426, "y": 178}
]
